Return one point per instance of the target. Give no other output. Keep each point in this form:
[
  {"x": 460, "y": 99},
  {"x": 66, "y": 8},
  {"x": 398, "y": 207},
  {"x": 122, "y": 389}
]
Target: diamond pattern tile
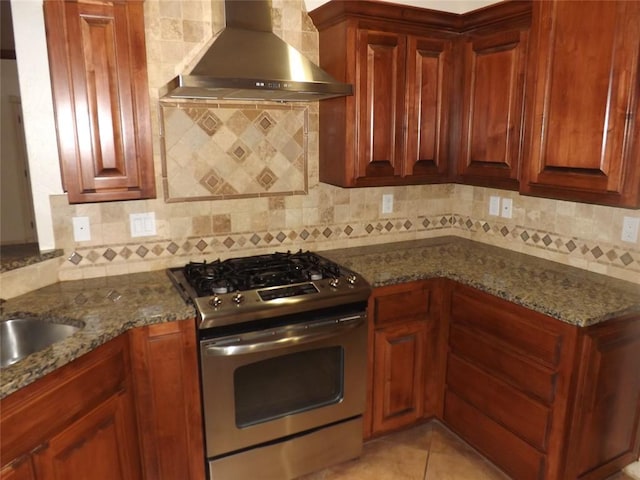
[
  {"x": 109, "y": 254},
  {"x": 245, "y": 152}
]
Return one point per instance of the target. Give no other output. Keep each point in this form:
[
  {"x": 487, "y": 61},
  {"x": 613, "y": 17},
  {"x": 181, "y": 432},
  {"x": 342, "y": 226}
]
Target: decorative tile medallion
[{"x": 218, "y": 151}]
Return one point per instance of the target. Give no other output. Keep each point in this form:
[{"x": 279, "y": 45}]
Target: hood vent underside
[{"x": 249, "y": 62}]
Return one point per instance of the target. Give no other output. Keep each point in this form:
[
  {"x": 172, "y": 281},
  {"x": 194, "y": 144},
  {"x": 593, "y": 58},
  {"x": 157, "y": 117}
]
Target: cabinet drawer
[
  {"x": 515, "y": 456},
  {"x": 511, "y": 408},
  {"x": 519, "y": 371},
  {"x": 526, "y": 331},
  {"x": 408, "y": 301}
]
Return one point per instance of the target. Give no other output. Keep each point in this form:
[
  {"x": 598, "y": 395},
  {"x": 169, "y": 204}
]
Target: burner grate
[{"x": 260, "y": 271}]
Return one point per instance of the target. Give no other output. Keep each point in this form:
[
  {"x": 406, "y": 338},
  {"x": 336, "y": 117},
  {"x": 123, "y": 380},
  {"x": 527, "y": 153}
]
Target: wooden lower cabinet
[
  {"x": 100, "y": 445},
  {"x": 399, "y": 366},
  {"x": 541, "y": 398},
  {"x": 128, "y": 410},
  {"x": 606, "y": 436},
  {"x": 404, "y": 365},
  {"x": 77, "y": 422},
  {"x": 167, "y": 385}
]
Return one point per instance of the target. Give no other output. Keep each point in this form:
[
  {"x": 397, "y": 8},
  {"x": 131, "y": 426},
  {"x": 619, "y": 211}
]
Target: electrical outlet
[
  {"x": 142, "y": 224},
  {"x": 630, "y": 227},
  {"x": 494, "y": 206},
  {"x": 81, "y": 229},
  {"x": 387, "y": 203},
  {"x": 507, "y": 208}
]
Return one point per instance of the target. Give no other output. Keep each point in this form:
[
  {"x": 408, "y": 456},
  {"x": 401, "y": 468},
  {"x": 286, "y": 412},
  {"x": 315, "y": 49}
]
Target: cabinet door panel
[
  {"x": 584, "y": 132},
  {"x": 380, "y": 94},
  {"x": 493, "y": 93},
  {"x": 428, "y": 86},
  {"x": 97, "y": 91},
  {"x": 398, "y": 375},
  {"x": 97, "y": 446}
]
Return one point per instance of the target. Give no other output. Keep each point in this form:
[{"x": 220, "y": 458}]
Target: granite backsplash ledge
[{"x": 566, "y": 293}]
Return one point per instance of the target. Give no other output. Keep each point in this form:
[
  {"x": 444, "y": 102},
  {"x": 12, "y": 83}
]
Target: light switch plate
[
  {"x": 81, "y": 229},
  {"x": 494, "y": 206},
  {"x": 387, "y": 203},
  {"x": 143, "y": 224}
]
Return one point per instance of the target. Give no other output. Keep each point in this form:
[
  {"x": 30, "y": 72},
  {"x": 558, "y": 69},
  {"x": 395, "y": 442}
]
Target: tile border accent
[{"x": 514, "y": 237}]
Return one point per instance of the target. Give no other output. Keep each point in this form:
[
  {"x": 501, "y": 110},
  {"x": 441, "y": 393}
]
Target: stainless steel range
[{"x": 283, "y": 341}]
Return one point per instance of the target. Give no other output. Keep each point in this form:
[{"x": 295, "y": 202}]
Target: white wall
[
  {"x": 37, "y": 109},
  {"x": 15, "y": 215}
]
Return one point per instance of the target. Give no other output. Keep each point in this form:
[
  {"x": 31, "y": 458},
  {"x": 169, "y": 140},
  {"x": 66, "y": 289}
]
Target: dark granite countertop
[
  {"x": 105, "y": 307},
  {"x": 110, "y": 306},
  {"x": 19, "y": 256},
  {"x": 566, "y": 293}
]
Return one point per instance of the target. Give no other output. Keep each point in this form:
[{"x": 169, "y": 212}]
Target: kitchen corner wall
[{"x": 585, "y": 236}]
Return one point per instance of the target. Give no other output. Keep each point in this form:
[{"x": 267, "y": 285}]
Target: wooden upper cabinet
[
  {"x": 97, "y": 59},
  {"x": 380, "y": 92},
  {"x": 583, "y": 106},
  {"x": 428, "y": 83},
  {"x": 394, "y": 129},
  {"x": 493, "y": 101}
]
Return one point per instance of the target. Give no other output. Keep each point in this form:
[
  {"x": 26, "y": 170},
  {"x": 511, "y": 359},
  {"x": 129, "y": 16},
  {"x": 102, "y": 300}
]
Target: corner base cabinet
[
  {"x": 77, "y": 422},
  {"x": 541, "y": 398},
  {"x": 128, "y": 410}
]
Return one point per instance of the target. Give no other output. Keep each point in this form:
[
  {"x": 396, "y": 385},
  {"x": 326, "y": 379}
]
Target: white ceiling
[{"x": 453, "y": 6}]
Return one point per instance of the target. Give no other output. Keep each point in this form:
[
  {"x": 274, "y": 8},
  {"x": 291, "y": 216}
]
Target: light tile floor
[{"x": 426, "y": 452}]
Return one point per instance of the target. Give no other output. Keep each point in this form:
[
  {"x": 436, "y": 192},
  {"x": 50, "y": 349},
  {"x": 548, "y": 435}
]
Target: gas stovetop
[{"x": 244, "y": 289}]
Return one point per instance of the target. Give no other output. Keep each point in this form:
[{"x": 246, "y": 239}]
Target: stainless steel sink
[{"x": 20, "y": 337}]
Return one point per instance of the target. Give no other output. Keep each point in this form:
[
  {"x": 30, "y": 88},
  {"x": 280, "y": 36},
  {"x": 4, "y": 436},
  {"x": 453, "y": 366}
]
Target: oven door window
[{"x": 288, "y": 384}]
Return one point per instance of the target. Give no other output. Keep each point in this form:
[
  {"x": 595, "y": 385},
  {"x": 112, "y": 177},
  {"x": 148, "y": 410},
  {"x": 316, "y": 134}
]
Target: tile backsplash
[
  {"x": 325, "y": 217},
  {"x": 213, "y": 151},
  {"x": 328, "y": 217}
]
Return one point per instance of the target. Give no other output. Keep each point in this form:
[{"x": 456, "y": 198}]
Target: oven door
[{"x": 269, "y": 385}]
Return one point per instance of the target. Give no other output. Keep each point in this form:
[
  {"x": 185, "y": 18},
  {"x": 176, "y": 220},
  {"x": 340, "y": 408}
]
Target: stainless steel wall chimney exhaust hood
[{"x": 249, "y": 62}]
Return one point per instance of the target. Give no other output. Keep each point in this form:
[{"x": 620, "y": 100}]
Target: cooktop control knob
[
  {"x": 334, "y": 282},
  {"x": 238, "y": 298},
  {"x": 215, "y": 301},
  {"x": 351, "y": 279}
]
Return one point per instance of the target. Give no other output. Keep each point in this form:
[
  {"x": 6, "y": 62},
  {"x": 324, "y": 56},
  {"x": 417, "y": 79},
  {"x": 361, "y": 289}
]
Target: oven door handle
[{"x": 278, "y": 340}]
